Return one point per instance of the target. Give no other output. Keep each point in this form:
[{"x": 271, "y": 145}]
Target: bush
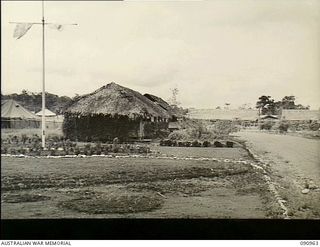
[
  {"x": 179, "y": 135},
  {"x": 181, "y": 144},
  {"x": 229, "y": 144},
  {"x": 266, "y": 125},
  {"x": 196, "y": 144},
  {"x": 218, "y": 144},
  {"x": 314, "y": 126},
  {"x": 206, "y": 144},
  {"x": 223, "y": 128},
  {"x": 283, "y": 127}
]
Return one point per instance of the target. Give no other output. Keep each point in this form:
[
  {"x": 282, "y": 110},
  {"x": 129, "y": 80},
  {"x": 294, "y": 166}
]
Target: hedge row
[
  {"x": 170, "y": 143},
  {"x": 66, "y": 147},
  {"x": 284, "y": 126}
]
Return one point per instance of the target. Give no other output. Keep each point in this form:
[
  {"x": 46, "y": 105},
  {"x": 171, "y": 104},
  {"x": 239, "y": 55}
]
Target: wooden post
[{"x": 141, "y": 130}]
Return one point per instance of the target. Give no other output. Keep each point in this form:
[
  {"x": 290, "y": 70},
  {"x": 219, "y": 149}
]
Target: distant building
[
  {"x": 47, "y": 113},
  {"x": 300, "y": 115},
  {"x": 223, "y": 114}
]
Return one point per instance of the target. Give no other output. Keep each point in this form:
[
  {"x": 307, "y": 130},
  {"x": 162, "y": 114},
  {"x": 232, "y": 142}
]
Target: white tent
[
  {"x": 15, "y": 116},
  {"x": 47, "y": 113}
]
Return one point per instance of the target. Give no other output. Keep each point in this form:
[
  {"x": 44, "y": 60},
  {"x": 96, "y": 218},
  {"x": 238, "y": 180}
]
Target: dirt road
[{"x": 294, "y": 163}]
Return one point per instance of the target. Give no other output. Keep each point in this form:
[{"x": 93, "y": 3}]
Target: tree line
[
  {"x": 267, "y": 105},
  {"x": 33, "y": 101}
]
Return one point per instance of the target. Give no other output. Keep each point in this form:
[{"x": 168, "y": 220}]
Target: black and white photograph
[{"x": 160, "y": 110}]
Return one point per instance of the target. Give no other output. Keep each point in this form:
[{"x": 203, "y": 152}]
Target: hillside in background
[{"x": 33, "y": 101}]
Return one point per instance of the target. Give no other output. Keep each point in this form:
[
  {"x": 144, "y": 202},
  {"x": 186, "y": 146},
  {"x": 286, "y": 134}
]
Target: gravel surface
[{"x": 294, "y": 165}]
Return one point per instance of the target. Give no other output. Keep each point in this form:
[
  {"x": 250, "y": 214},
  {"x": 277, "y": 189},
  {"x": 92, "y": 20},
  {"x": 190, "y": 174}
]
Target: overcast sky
[{"x": 213, "y": 51}]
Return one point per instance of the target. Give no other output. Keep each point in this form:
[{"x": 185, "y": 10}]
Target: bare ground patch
[
  {"x": 186, "y": 187},
  {"x": 100, "y": 203}
]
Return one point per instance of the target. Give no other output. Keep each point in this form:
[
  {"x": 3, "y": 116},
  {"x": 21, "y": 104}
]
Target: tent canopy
[
  {"x": 10, "y": 109},
  {"x": 47, "y": 113}
]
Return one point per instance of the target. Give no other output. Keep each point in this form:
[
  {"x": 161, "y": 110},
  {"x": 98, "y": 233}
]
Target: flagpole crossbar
[{"x": 46, "y": 23}]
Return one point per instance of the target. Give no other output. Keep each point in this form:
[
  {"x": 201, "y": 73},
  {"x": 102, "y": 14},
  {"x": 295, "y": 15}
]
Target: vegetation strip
[{"x": 240, "y": 161}]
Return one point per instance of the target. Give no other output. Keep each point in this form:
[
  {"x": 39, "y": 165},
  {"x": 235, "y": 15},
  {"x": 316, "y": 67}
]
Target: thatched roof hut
[
  {"x": 114, "y": 111},
  {"x": 113, "y": 99}
]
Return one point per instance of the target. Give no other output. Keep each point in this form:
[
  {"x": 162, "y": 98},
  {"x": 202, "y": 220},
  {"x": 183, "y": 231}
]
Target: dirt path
[{"x": 295, "y": 164}]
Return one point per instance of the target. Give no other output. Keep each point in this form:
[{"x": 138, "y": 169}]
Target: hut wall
[
  {"x": 154, "y": 130},
  {"x": 100, "y": 128},
  {"x": 106, "y": 128}
]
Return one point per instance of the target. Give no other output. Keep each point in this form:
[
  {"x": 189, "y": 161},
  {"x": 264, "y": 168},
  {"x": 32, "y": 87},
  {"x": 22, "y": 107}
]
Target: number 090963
[{"x": 310, "y": 243}]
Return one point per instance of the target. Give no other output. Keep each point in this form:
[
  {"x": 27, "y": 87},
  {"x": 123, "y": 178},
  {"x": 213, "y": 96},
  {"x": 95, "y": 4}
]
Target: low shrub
[
  {"x": 196, "y": 144},
  {"x": 283, "y": 127},
  {"x": 181, "y": 144},
  {"x": 218, "y": 144},
  {"x": 266, "y": 125},
  {"x": 314, "y": 126},
  {"x": 222, "y": 128},
  {"x": 229, "y": 144},
  {"x": 179, "y": 135},
  {"x": 206, "y": 144}
]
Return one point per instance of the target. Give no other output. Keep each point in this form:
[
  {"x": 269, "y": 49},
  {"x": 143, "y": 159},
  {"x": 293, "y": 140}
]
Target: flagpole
[
  {"x": 43, "y": 122},
  {"x": 18, "y": 33}
]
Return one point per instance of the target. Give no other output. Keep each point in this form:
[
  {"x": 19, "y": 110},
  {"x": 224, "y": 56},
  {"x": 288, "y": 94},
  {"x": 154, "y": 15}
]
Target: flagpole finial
[{"x": 42, "y": 10}]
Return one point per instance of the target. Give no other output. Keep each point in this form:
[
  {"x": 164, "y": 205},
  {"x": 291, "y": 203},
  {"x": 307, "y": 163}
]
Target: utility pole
[{"x": 21, "y": 29}]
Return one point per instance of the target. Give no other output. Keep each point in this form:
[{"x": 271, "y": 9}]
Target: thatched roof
[
  {"x": 173, "y": 110},
  {"x": 113, "y": 99},
  {"x": 160, "y": 102}
]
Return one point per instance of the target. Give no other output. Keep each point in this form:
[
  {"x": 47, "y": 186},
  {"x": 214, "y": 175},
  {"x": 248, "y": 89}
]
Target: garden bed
[{"x": 31, "y": 146}]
